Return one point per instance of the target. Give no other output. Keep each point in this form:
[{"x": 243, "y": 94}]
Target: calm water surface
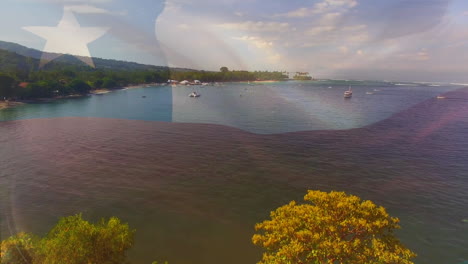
[
  {"x": 259, "y": 108},
  {"x": 195, "y": 184}
]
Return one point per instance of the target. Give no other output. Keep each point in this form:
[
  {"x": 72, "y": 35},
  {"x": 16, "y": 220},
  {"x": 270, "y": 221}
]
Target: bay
[{"x": 193, "y": 176}]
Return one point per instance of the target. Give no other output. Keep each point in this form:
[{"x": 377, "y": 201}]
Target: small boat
[
  {"x": 441, "y": 97},
  {"x": 194, "y": 94},
  {"x": 369, "y": 93},
  {"x": 348, "y": 93},
  {"x": 144, "y": 96},
  {"x": 99, "y": 93}
]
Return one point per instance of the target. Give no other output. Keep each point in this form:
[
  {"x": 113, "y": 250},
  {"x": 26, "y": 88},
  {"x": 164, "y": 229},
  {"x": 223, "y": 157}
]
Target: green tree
[
  {"x": 76, "y": 241},
  {"x": 224, "y": 69},
  {"x": 72, "y": 241},
  {"x": 18, "y": 249},
  {"x": 109, "y": 83},
  {"x": 41, "y": 89},
  {"x": 331, "y": 228},
  {"x": 6, "y": 86},
  {"x": 79, "y": 86},
  {"x": 98, "y": 83}
]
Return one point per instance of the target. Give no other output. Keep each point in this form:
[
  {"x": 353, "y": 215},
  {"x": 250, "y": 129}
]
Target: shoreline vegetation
[
  {"x": 24, "y": 80},
  {"x": 18, "y": 87}
]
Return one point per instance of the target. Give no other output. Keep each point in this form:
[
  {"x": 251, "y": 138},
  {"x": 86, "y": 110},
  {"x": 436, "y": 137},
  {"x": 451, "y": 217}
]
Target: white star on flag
[{"x": 68, "y": 37}]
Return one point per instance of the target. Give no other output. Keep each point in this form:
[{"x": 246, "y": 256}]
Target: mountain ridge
[{"x": 33, "y": 56}]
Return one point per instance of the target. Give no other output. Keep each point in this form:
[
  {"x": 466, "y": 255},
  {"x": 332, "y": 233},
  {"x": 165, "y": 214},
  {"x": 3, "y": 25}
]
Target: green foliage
[
  {"x": 72, "y": 241},
  {"x": 302, "y": 78},
  {"x": 331, "y": 228},
  {"x": 41, "y": 89},
  {"x": 79, "y": 86},
  {"x": 6, "y": 86},
  {"x": 108, "y": 82},
  {"x": 227, "y": 76},
  {"x": 68, "y": 76},
  {"x": 18, "y": 249}
]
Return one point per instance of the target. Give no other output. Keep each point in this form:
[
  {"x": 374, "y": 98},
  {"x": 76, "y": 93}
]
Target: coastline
[
  {"x": 11, "y": 104},
  {"x": 102, "y": 91},
  {"x": 266, "y": 81}
]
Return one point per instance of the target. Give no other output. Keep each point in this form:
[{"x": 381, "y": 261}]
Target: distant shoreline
[{"x": 11, "y": 104}]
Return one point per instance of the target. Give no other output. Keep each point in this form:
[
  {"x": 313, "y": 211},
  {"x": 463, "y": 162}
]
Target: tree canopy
[
  {"x": 331, "y": 228},
  {"x": 6, "y": 86},
  {"x": 72, "y": 241}
]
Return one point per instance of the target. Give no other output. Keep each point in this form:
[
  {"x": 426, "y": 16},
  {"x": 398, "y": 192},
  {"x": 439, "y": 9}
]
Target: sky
[{"x": 406, "y": 40}]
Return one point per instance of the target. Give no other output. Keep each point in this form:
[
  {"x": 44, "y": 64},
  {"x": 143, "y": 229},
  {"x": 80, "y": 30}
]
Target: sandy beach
[
  {"x": 266, "y": 81},
  {"x": 8, "y": 104}
]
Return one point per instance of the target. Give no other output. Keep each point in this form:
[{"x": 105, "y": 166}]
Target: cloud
[
  {"x": 319, "y": 30},
  {"x": 355, "y": 27},
  {"x": 403, "y": 18},
  {"x": 259, "y": 26},
  {"x": 90, "y": 9},
  {"x": 88, "y": 1},
  {"x": 334, "y": 34},
  {"x": 327, "y": 37},
  {"x": 301, "y": 12},
  {"x": 421, "y": 55},
  {"x": 256, "y": 41},
  {"x": 330, "y": 18},
  {"x": 68, "y": 1},
  {"x": 183, "y": 27},
  {"x": 328, "y": 5},
  {"x": 320, "y": 8},
  {"x": 343, "y": 49}
]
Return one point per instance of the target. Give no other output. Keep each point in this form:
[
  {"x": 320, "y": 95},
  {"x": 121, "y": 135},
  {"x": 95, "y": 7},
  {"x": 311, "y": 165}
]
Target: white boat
[
  {"x": 100, "y": 92},
  {"x": 441, "y": 97},
  {"x": 194, "y": 94},
  {"x": 348, "y": 93}
]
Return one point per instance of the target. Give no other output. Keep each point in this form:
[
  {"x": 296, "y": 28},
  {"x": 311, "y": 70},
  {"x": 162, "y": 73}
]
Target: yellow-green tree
[
  {"x": 76, "y": 241},
  {"x": 18, "y": 249},
  {"x": 331, "y": 228},
  {"x": 72, "y": 241}
]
